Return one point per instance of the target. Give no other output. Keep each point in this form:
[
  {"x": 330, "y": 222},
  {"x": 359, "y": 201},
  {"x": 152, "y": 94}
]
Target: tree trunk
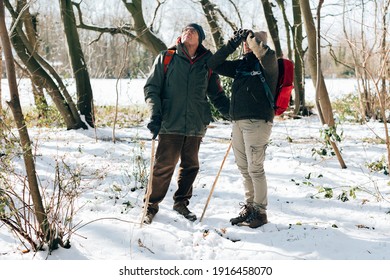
[
  {"x": 79, "y": 66},
  {"x": 31, "y": 32},
  {"x": 324, "y": 106},
  {"x": 25, "y": 142},
  {"x": 1, "y": 76},
  {"x": 144, "y": 34},
  {"x": 272, "y": 27},
  {"x": 312, "y": 61},
  {"x": 384, "y": 50},
  {"x": 382, "y": 92},
  {"x": 287, "y": 27},
  {"x": 299, "y": 66},
  {"x": 216, "y": 32}
]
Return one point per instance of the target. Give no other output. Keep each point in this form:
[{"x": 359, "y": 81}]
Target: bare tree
[
  {"x": 37, "y": 65},
  {"x": 382, "y": 97},
  {"x": 299, "y": 66},
  {"x": 1, "y": 75},
  {"x": 287, "y": 28},
  {"x": 79, "y": 67},
  {"x": 30, "y": 24},
  {"x": 143, "y": 32},
  {"x": 324, "y": 106},
  {"x": 272, "y": 27},
  {"x": 367, "y": 48},
  {"x": 361, "y": 56},
  {"x": 138, "y": 31},
  {"x": 25, "y": 142},
  {"x": 385, "y": 47},
  {"x": 380, "y": 74},
  {"x": 209, "y": 10}
]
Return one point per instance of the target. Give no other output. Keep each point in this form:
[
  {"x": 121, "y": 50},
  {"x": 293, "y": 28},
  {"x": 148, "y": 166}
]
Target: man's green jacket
[{"x": 180, "y": 97}]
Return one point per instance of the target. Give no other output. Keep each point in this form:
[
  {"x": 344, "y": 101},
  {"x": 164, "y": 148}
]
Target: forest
[{"x": 51, "y": 42}]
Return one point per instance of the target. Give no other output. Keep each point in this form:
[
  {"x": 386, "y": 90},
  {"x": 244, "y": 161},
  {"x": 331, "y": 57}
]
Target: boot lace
[{"x": 245, "y": 209}]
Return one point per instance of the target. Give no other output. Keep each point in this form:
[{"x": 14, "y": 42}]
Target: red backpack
[
  {"x": 285, "y": 85},
  {"x": 167, "y": 59}
]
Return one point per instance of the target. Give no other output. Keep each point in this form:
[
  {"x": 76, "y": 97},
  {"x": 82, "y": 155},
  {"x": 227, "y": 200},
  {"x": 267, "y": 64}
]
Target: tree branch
[{"x": 125, "y": 30}]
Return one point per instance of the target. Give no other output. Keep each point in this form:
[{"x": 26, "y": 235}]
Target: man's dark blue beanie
[{"x": 200, "y": 31}]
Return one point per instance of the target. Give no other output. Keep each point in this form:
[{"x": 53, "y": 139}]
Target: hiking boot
[
  {"x": 255, "y": 220},
  {"x": 150, "y": 213},
  {"x": 183, "y": 210},
  {"x": 246, "y": 211}
]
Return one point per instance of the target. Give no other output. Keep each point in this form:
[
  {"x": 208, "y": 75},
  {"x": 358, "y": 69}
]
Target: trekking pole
[
  {"x": 215, "y": 181},
  {"x": 149, "y": 187}
]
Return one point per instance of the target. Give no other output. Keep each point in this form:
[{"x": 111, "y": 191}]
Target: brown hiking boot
[
  {"x": 183, "y": 210},
  {"x": 246, "y": 211},
  {"x": 256, "y": 219},
  {"x": 150, "y": 213}
]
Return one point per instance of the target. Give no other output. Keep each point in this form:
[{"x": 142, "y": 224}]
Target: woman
[{"x": 252, "y": 116}]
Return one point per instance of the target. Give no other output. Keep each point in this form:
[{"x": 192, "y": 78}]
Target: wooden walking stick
[
  {"x": 149, "y": 188},
  {"x": 215, "y": 181}
]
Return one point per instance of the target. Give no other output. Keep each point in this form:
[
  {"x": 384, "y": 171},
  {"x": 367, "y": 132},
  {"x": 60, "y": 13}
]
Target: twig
[
  {"x": 106, "y": 218},
  {"x": 143, "y": 246}
]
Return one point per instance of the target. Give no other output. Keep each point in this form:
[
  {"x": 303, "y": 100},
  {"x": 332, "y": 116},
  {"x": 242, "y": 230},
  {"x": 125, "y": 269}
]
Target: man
[
  {"x": 180, "y": 113},
  {"x": 252, "y": 116}
]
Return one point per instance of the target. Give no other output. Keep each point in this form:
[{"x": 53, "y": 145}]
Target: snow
[
  {"x": 130, "y": 92},
  {"x": 303, "y": 223}
]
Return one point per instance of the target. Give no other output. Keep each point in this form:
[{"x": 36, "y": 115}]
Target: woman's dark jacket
[{"x": 249, "y": 99}]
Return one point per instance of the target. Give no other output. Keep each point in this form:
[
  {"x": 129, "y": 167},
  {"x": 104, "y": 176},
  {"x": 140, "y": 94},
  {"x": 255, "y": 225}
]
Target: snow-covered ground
[{"x": 303, "y": 223}]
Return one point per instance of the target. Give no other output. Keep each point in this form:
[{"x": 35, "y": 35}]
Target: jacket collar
[{"x": 200, "y": 52}]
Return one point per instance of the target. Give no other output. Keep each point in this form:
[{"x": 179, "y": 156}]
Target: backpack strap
[
  {"x": 257, "y": 72},
  {"x": 268, "y": 91},
  {"x": 167, "y": 59}
]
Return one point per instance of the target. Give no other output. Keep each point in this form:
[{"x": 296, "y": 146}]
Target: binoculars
[{"x": 243, "y": 33}]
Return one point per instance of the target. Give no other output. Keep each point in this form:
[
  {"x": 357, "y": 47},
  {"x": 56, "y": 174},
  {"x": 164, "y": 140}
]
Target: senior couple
[{"x": 178, "y": 95}]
